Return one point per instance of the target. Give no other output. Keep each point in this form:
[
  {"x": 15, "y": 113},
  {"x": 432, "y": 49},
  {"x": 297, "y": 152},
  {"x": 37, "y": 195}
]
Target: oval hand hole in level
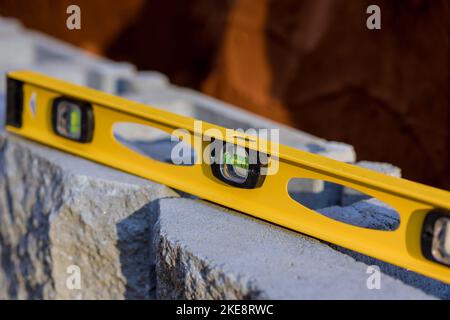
[
  {"x": 154, "y": 143},
  {"x": 343, "y": 204}
]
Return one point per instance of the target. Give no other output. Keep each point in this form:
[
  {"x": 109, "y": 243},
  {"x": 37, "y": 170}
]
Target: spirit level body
[{"x": 270, "y": 202}]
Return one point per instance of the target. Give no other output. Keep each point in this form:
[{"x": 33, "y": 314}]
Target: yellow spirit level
[{"x": 80, "y": 120}]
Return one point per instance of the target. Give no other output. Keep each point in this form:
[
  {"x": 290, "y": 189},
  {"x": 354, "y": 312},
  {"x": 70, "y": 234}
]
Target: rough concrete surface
[
  {"x": 58, "y": 210},
  {"x": 234, "y": 256}
]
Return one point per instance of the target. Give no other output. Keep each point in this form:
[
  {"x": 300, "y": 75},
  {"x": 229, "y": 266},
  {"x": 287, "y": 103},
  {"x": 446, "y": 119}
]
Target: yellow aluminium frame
[{"x": 270, "y": 202}]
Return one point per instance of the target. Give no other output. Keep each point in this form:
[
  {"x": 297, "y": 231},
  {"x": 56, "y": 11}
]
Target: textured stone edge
[
  {"x": 145, "y": 248},
  {"x": 50, "y": 221}
]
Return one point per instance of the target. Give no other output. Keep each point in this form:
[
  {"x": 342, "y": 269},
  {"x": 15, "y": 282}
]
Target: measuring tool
[{"x": 80, "y": 120}]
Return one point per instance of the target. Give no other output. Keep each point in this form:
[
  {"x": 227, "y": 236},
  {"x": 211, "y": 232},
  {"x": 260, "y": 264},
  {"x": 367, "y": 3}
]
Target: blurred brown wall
[{"x": 310, "y": 63}]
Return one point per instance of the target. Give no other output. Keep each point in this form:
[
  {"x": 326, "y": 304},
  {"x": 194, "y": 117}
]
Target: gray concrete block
[
  {"x": 10, "y": 26},
  {"x": 382, "y": 167},
  {"x": 2, "y": 111},
  {"x": 370, "y": 213},
  {"x": 64, "y": 61},
  {"x": 49, "y": 49},
  {"x": 110, "y": 77},
  {"x": 58, "y": 211},
  {"x": 35, "y": 50},
  {"x": 233, "y": 117},
  {"x": 63, "y": 70},
  {"x": 314, "y": 194},
  {"x": 233, "y": 256},
  {"x": 196, "y": 105},
  {"x": 16, "y": 50},
  {"x": 143, "y": 80}
]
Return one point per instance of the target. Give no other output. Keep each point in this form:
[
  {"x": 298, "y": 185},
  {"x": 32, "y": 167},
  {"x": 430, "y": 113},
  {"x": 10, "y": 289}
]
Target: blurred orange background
[{"x": 312, "y": 64}]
